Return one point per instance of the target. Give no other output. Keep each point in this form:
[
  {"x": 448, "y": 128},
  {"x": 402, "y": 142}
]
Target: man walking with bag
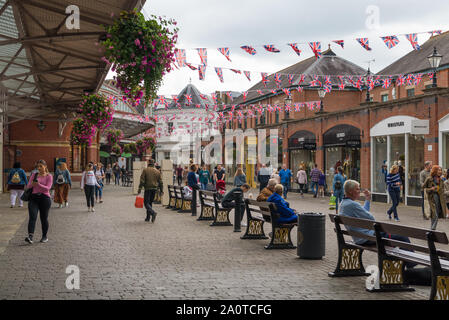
[{"x": 150, "y": 180}]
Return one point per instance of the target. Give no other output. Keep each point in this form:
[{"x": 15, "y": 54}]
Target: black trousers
[
  {"x": 148, "y": 198},
  {"x": 231, "y": 204},
  {"x": 89, "y": 191},
  {"x": 179, "y": 180},
  {"x": 38, "y": 204}
]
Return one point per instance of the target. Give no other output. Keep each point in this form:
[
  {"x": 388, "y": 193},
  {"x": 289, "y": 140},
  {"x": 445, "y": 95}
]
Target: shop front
[
  {"x": 341, "y": 148},
  {"x": 398, "y": 140},
  {"x": 443, "y": 142},
  {"x": 302, "y": 150}
]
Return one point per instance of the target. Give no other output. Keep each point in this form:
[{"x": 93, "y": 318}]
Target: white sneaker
[
  {"x": 92, "y": 209},
  {"x": 88, "y": 209},
  {"x": 60, "y": 205},
  {"x": 66, "y": 204},
  {"x": 243, "y": 224}
]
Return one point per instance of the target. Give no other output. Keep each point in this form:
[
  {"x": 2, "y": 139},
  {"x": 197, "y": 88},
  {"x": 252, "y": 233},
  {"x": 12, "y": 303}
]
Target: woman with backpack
[
  {"x": 17, "y": 180},
  {"x": 40, "y": 201},
  {"x": 62, "y": 184},
  {"x": 337, "y": 187}
]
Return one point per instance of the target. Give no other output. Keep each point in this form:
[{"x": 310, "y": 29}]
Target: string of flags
[{"x": 390, "y": 41}]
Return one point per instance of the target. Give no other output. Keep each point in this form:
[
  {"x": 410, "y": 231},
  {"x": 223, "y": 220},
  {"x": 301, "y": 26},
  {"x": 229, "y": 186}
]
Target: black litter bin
[{"x": 311, "y": 235}]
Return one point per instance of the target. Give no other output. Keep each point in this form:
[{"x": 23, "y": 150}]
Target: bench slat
[
  {"x": 354, "y": 222},
  {"x": 413, "y": 232}
]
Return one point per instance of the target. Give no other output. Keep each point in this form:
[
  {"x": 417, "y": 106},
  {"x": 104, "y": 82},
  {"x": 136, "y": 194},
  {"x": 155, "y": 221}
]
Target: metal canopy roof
[{"x": 44, "y": 66}]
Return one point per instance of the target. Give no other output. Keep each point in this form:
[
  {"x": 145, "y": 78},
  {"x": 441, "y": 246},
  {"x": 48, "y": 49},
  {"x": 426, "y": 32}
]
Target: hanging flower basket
[
  {"x": 97, "y": 111},
  {"x": 144, "y": 144},
  {"x": 117, "y": 149},
  {"x": 141, "y": 52},
  {"x": 130, "y": 148},
  {"x": 114, "y": 136},
  {"x": 82, "y": 133}
]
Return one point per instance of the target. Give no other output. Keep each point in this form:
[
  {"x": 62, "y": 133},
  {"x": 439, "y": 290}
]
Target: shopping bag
[
  {"x": 332, "y": 202},
  {"x": 139, "y": 202}
]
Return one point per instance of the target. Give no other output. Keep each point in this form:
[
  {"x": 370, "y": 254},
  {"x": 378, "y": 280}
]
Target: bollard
[
  {"x": 193, "y": 203},
  {"x": 237, "y": 213}
]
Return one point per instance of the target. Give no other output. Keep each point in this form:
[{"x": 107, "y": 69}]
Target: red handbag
[{"x": 139, "y": 202}]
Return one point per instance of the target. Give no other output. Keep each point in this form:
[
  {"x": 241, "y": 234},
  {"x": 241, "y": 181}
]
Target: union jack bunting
[
  {"x": 301, "y": 78},
  {"x": 249, "y": 50},
  {"x": 162, "y": 100},
  {"x": 277, "y": 79},
  {"x": 248, "y": 75},
  {"x": 264, "y": 78},
  {"x": 435, "y": 31},
  {"x": 364, "y": 42},
  {"x": 295, "y": 48},
  {"x": 316, "y": 48},
  {"x": 315, "y": 82},
  {"x": 188, "y": 98},
  {"x": 299, "y": 88},
  {"x": 180, "y": 57},
  {"x": 198, "y": 105},
  {"x": 390, "y": 41},
  {"x": 236, "y": 71},
  {"x": 327, "y": 88},
  {"x": 341, "y": 86},
  {"x": 377, "y": 81},
  {"x": 229, "y": 95},
  {"x": 219, "y": 74},
  {"x": 259, "y": 92},
  {"x": 341, "y": 43},
  {"x": 370, "y": 84},
  {"x": 410, "y": 79},
  {"x": 202, "y": 96},
  {"x": 413, "y": 38},
  {"x": 202, "y": 52},
  {"x": 400, "y": 80},
  {"x": 418, "y": 78},
  {"x": 225, "y": 52},
  {"x": 190, "y": 66},
  {"x": 273, "y": 91},
  {"x": 386, "y": 83},
  {"x": 245, "y": 94},
  {"x": 327, "y": 80},
  {"x": 287, "y": 92},
  {"x": 431, "y": 75},
  {"x": 233, "y": 107},
  {"x": 290, "y": 78},
  {"x": 201, "y": 71},
  {"x": 297, "y": 106},
  {"x": 271, "y": 48}
]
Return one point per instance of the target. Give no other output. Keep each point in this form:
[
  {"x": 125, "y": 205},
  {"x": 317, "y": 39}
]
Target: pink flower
[{"x": 137, "y": 42}]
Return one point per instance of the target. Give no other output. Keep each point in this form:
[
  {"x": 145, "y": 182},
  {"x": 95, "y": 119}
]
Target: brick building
[{"x": 405, "y": 124}]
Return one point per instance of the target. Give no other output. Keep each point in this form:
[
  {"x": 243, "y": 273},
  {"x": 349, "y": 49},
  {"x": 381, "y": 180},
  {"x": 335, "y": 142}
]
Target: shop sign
[
  {"x": 309, "y": 146},
  {"x": 400, "y": 125},
  {"x": 341, "y": 135},
  {"x": 396, "y": 124},
  {"x": 354, "y": 144},
  {"x": 420, "y": 127}
]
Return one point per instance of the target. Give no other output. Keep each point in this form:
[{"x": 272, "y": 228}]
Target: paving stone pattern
[{"x": 122, "y": 257}]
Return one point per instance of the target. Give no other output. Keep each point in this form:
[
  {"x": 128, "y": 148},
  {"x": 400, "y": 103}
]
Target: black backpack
[{"x": 338, "y": 184}]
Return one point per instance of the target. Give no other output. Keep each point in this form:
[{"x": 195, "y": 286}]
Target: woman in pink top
[{"x": 40, "y": 201}]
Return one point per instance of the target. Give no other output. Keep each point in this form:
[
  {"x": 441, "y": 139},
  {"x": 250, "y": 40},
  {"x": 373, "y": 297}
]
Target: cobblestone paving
[{"x": 122, "y": 257}]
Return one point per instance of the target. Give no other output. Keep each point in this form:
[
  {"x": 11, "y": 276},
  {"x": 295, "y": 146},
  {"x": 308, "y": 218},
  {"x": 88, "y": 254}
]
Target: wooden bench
[
  {"x": 266, "y": 212},
  {"x": 127, "y": 180},
  {"x": 392, "y": 254},
  {"x": 182, "y": 204},
  {"x": 221, "y": 216},
  {"x": 171, "y": 197},
  {"x": 207, "y": 201},
  {"x": 157, "y": 197}
]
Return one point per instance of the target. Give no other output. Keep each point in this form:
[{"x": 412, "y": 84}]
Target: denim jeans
[
  {"x": 339, "y": 197},
  {"x": 99, "y": 191},
  {"x": 148, "y": 199},
  {"x": 314, "y": 185},
  {"x": 286, "y": 185},
  {"x": 203, "y": 186},
  {"x": 395, "y": 195}
]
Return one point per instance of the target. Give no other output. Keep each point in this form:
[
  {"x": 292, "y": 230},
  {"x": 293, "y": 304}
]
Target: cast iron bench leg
[
  {"x": 391, "y": 276},
  {"x": 349, "y": 263},
  {"x": 281, "y": 238},
  {"x": 207, "y": 213},
  {"x": 254, "y": 230},
  {"x": 222, "y": 218}
]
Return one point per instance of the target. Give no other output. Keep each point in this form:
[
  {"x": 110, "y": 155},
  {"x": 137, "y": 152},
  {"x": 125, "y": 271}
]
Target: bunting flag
[
  {"x": 277, "y": 79},
  {"x": 301, "y": 78},
  {"x": 400, "y": 81},
  {"x": 271, "y": 48},
  {"x": 202, "y": 96},
  {"x": 364, "y": 42},
  {"x": 229, "y": 95},
  {"x": 299, "y": 88},
  {"x": 202, "y": 52},
  {"x": 162, "y": 100},
  {"x": 341, "y": 43},
  {"x": 236, "y": 71},
  {"x": 190, "y": 66},
  {"x": 327, "y": 80},
  {"x": 295, "y": 48},
  {"x": 386, "y": 83},
  {"x": 225, "y": 52},
  {"x": 410, "y": 79},
  {"x": 435, "y": 31},
  {"x": 341, "y": 86},
  {"x": 264, "y": 78},
  {"x": 315, "y": 82},
  {"x": 431, "y": 75},
  {"x": 287, "y": 92},
  {"x": 248, "y": 75},
  {"x": 219, "y": 74},
  {"x": 316, "y": 48},
  {"x": 189, "y": 98},
  {"x": 418, "y": 78},
  {"x": 327, "y": 88},
  {"x": 249, "y": 49},
  {"x": 260, "y": 92},
  {"x": 273, "y": 91},
  {"x": 413, "y": 38},
  {"x": 201, "y": 71},
  {"x": 180, "y": 57},
  {"x": 214, "y": 97},
  {"x": 245, "y": 94},
  {"x": 297, "y": 106},
  {"x": 290, "y": 78},
  {"x": 390, "y": 41}
]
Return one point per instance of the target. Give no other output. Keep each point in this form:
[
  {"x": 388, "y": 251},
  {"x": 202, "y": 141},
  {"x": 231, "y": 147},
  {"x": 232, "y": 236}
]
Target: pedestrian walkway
[{"x": 122, "y": 257}]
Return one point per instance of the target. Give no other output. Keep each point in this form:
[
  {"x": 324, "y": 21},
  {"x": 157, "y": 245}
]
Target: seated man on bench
[
  {"x": 287, "y": 214},
  {"x": 228, "y": 200},
  {"x": 351, "y": 208},
  {"x": 267, "y": 191}
]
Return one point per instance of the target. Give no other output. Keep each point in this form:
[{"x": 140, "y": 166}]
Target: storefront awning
[
  {"x": 400, "y": 125},
  {"x": 340, "y": 135}
]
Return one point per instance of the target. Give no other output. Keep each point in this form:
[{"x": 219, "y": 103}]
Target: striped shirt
[
  {"x": 392, "y": 180},
  {"x": 315, "y": 175}
]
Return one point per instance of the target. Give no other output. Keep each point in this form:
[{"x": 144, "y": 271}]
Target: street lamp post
[
  {"x": 321, "y": 94},
  {"x": 287, "y": 101},
  {"x": 367, "y": 76},
  {"x": 434, "y": 61}
]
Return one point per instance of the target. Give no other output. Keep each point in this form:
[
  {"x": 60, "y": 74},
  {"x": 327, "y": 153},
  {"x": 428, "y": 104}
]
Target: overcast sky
[{"x": 232, "y": 23}]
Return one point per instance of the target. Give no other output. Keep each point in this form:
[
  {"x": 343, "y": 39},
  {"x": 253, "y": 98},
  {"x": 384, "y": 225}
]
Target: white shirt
[{"x": 89, "y": 179}]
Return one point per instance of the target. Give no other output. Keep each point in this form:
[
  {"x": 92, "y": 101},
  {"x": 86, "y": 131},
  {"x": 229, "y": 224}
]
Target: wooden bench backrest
[
  {"x": 258, "y": 206},
  {"x": 207, "y": 196},
  {"x": 171, "y": 190}
]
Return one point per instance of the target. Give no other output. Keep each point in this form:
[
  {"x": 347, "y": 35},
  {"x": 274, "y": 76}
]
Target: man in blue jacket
[
  {"x": 287, "y": 215},
  {"x": 285, "y": 175}
]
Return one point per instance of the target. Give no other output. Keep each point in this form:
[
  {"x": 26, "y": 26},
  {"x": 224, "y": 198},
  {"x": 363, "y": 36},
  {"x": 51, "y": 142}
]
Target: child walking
[{"x": 88, "y": 183}]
